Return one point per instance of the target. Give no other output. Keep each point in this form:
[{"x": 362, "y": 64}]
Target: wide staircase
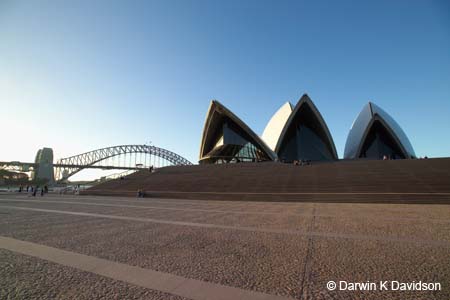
[{"x": 390, "y": 181}]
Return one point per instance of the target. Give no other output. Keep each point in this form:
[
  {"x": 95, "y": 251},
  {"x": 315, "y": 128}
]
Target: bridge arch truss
[{"x": 69, "y": 166}]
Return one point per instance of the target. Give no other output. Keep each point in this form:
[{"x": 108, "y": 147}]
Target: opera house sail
[
  {"x": 300, "y": 134},
  {"x": 375, "y": 134},
  {"x": 305, "y": 135},
  {"x": 273, "y": 129},
  {"x": 227, "y": 139}
]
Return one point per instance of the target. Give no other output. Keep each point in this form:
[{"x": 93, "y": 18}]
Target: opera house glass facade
[{"x": 299, "y": 133}]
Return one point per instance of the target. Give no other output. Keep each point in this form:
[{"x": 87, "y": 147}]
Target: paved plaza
[{"x": 86, "y": 247}]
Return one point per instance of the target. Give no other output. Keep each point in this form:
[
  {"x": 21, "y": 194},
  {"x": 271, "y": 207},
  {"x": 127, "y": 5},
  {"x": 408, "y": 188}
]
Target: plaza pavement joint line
[
  {"x": 155, "y": 280},
  {"x": 248, "y": 229},
  {"x": 152, "y": 207},
  {"x": 308, "y": 261},
  {"x": 38, "y": 200}
]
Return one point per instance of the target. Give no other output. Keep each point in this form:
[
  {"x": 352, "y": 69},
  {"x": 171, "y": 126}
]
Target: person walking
[
  {"x": 42, "y": 191},
  {"x": 35, "y": 191}
]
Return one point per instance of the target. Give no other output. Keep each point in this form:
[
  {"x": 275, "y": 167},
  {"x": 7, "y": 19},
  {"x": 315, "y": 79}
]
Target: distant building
[{"x": 299, "y": 133}]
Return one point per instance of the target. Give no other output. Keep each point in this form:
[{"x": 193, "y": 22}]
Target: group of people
[
  {"x": 33, "y": 190},
  {"x": 390, "y": 157},
  {"x": 302, "y": 162},
  {"x": 140, "y": 194}
]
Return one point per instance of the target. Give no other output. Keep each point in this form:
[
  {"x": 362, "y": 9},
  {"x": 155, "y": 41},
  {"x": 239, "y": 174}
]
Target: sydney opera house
[{"x": 300, "y": 133}]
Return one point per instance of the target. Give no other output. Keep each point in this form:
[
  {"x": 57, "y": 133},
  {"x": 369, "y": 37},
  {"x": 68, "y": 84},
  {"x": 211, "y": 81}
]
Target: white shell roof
[
  {"x": 360, "y": 126},
  {"x": 276, "y": 124}
]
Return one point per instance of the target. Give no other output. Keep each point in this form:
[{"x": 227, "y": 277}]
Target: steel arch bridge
[{"x": 101, "y": 159}]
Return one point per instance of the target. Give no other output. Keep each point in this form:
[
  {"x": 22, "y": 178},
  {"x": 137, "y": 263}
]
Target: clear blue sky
[{"x": 79, "y": 75}]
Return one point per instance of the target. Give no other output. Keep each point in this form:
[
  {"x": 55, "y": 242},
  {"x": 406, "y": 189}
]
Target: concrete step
[{"x": 415, "y": 181}]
